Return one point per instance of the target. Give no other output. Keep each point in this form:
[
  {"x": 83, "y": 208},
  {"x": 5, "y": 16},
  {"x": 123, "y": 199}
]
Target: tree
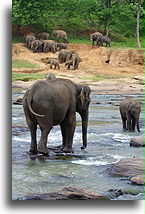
[{"x": 137, "y": 27}]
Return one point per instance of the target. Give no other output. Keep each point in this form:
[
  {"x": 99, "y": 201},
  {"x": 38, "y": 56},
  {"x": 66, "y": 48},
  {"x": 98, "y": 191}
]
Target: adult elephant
[
  {"x": 130, "y": 111},
  {"x": 55, "y": 102},
  {"x": 65, "y": 55},
  {"x": 49, "y": 45},
  {"x": 60, "y": 34},
  {"x": 36, "y": 46}
]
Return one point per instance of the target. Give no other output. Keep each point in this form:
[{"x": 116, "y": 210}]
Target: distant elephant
[
  {"x": 61, "y": 46},
  {"x": 29, "y": 38},
  {"x": 50, "y": 76},
  {"x": 130, "y": 111},
  {"x": 49, "y": 45},
  {"x": 60, "y": 34},
  {"x": 104, "y": 39},
  {"x": 96, "y": 37},
  {"x": 43, "y": 35},
  {"x": 65, "y": 55},
  {"x": 55, "y": 102},
  {"x": 36, "y": 46},
  {"x": 52, "y": 62},
  {"x": 76, "y": 60}
]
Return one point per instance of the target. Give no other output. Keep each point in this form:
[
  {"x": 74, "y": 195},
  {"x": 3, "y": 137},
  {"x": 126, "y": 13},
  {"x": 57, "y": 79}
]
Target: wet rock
[
  {"x": 137, "y": 142},
  {"x": 139, "y": 180},
  {"x": 96, "y": 103},
  {"x": 67, "y": 193},
  {"x": 19, "y": 100},
  {"x": 128, "y": 167}
]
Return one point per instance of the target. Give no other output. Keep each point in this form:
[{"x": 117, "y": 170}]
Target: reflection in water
[{"x": 107, "y": 144}]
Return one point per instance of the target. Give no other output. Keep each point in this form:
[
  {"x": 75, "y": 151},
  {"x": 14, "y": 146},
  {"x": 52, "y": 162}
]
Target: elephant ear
[{"x": 84, "y": 95}]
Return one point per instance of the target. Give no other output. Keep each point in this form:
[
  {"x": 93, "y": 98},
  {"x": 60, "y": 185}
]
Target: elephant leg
[
  {"x": 70, "y": 128},
  {"x": 42, "y": 146},
  {"x": 63, "y": 132},
  {"x": 133, "y": 125},
  {"x": 124, "y": 122}
]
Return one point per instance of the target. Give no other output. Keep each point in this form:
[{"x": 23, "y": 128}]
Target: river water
[{"x": 107, "y": 144}]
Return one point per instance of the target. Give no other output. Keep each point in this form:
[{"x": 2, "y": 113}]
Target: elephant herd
[
  {"x": 40, "y": 43},
  {"x": 55, "y": 101},
  {"x": 100, "y": 39}
]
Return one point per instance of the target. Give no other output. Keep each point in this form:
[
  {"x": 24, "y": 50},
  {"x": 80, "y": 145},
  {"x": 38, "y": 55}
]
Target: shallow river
[{"x": 107, "y": 144}]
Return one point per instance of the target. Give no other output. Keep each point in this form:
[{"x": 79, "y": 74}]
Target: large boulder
[
  {"x": 129, "y": 167},
  {"x": 137, "y": 142}
]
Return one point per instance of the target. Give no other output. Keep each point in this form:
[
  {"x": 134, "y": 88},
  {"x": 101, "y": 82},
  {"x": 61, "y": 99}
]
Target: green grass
[
  {"x": 26, "y": 77},
  {"x": 17, "y": 40},
  {"x": 98, "y": 78},
  {"x": 23, "y": 64}
]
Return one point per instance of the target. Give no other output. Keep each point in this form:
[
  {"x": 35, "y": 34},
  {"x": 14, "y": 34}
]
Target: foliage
[{"x": 78, "y": 17}]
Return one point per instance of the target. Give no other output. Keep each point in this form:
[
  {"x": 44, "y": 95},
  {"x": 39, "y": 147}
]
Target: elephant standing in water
[
  {"x": 130, "y": 111},
  {"x": 55, "y": 102}
]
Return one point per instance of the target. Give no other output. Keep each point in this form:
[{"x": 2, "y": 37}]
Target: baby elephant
[
  {"x": 68, "y": 64},
  {"x": 52, "y": 62},
  {"x": 50, "y": 76},
  {"x": 130, "y": 111}
]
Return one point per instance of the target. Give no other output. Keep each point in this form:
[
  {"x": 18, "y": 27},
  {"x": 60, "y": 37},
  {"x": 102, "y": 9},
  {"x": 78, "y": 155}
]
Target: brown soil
[{"x": 97, "y": 61}]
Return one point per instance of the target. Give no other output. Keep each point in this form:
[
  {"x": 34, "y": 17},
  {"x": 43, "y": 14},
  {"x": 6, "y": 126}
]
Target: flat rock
[
  {"x": 128, "y": 167},
  {"x": 67, "y": 193},
  {"x": 137, "y": 142}
]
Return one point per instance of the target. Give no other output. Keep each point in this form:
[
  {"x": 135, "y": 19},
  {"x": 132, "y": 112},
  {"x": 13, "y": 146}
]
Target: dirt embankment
[{"x": 119, "y": 66}]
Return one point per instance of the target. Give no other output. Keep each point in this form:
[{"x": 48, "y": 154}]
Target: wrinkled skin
[
  {"x": 37, "y": 46},
  {"x": 49, "y": 46},
  {"x": 29, "y": 39},
  {"x": 52, "y": 62},
  {"x": 60, "y": 34},
  {"x": 65, "y": 55},
  {"x": 61, "y": 46},
  {"x": 43, "y": 36},
  {"x": 130, "y": 111},
  {"x": 55, "y": 102}
]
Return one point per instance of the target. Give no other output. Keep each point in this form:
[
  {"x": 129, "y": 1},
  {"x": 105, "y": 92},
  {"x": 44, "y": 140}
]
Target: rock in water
[
  {"x": 137, "y": 142},
  {"x": 67, "y": 193}
]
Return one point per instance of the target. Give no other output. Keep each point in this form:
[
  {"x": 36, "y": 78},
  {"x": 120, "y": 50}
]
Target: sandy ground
[{"x": 129, "y": 76}]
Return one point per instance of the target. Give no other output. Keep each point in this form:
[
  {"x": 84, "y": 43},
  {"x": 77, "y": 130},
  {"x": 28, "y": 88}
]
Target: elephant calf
[
  {"x": 50, "y": 76},
  {"x": 130, "y": 111},
  {"x": 52, "y": 62},
  {"x": 61, "y": 46}
]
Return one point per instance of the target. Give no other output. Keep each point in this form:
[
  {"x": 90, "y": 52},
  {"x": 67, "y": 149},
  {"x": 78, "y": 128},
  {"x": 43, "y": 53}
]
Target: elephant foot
[
  {"x": 67, "y": 150},
  {"x": 33, "y": 152},
  {"x": 43, "y": 151}
]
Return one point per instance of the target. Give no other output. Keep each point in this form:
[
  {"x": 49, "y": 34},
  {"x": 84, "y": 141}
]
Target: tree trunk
[{"x": 137, "y": 27}]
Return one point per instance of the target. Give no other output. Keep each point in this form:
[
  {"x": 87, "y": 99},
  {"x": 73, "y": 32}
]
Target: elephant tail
[{"x": 29, "y": 101}]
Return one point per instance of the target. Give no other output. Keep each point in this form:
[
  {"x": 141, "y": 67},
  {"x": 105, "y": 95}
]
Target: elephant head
[
  {"x": 134, "y": 110},
  {"x": 82, "y": 106}
]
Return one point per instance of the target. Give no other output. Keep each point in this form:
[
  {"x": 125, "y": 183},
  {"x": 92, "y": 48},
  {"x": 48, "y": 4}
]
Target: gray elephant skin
[
  {"x": 60, "y": 34},
  {"x": 55, "y": 102},
  {"x": 130, "y": 111},
  {"x": 49, "y": 46},
  {"x": 29, "y": 38},
  {"x": 36, "y": 46},
  {"x": 65, "y": 55},
  {"x": 43, "y": 35}
]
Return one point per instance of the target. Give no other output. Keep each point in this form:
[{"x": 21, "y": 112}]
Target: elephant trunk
[
  {"x": 84, "y": 116},
  {"x": 138, "y": 129}
]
